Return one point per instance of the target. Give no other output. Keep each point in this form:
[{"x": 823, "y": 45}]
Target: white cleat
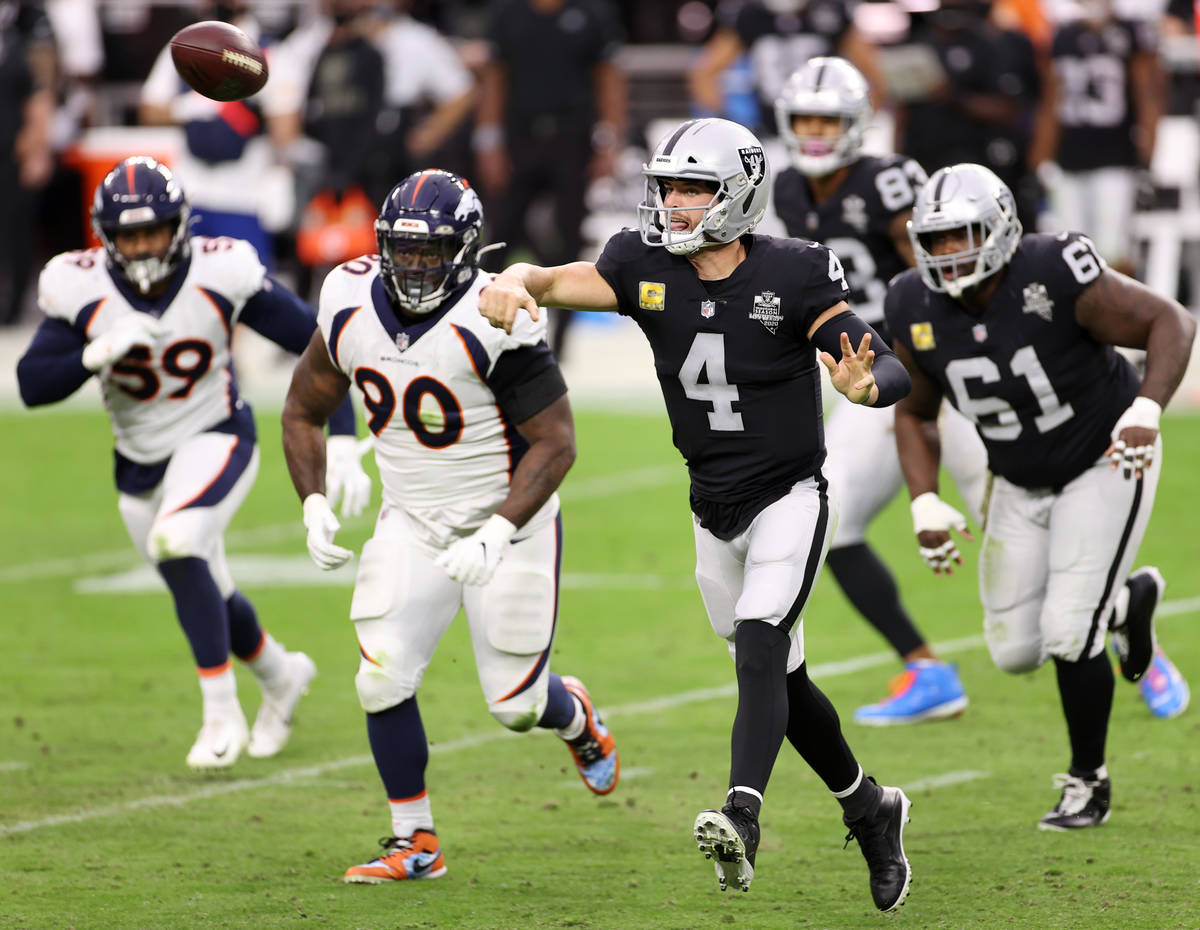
[
  {"x": 220, "y": 742},
  {"x": 273, "y": 725}
]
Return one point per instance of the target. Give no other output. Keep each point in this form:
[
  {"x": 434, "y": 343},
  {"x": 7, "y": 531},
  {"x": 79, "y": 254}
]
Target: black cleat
[
  {"x": 880, "y": 835},
  {"x": 1134, "y": 640},
  {"x": 1084, "y": 803},
  {"x": 730, "y": 838}
]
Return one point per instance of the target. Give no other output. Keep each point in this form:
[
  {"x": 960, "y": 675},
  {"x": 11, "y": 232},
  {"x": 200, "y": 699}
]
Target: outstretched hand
[
  {"x": 503, "y": 299},
  {"x": 851, "y": 374}
]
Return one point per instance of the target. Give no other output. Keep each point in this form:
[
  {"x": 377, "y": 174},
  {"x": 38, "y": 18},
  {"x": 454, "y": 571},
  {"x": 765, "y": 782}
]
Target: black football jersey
[
  {"x": 778, "y": 43},
  {"x": 855, "y": 222},
  {"x": 737, "y": 372},
  {"x": 1043, "y": 393},
  {"x": 1095, "y": 106}
]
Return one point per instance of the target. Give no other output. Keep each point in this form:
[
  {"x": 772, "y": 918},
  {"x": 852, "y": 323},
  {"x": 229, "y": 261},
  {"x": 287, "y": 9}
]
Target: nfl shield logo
[
  {"x": 707, "y": 308},
  {"x": 979, "y": 331},
  {"x": 402, "y": 341}
]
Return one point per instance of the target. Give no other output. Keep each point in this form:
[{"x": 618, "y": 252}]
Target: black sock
[
  {"x": 861, "y": 801},
  {"x": 816, "y": 732},
  {"x": 762, "y": 714},
  {"x": 1086, "y": 690},
  {"x": 870, "y": 586},
  {"x": 245, "y": 634},
  {"x": 560, "y": 706},
  {"x": 401, "y": 752},
  {"x": 200, "y": 608}
]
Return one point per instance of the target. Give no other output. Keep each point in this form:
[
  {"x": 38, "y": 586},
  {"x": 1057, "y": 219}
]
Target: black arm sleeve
[
  {"x": 51, "y": 368},
  {"x": 526, "y": 381},
  {"x": 890, "y": 377},
  {"x": 281, "y": 316}
]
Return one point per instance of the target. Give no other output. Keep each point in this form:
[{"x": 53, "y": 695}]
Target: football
[{"x": 218, "y": 60}]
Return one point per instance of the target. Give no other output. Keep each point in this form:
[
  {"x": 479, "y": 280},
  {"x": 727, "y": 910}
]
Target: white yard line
[
  {"x": 288, "y": 776},
  {"x": 584, "y": 489}
]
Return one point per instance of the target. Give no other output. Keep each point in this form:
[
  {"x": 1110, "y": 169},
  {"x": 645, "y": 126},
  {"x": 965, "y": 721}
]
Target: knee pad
[
  {"x": 1015, "y": 657},
  {"x": 521, "y": 712},
  {"x": 519, "y": 721},
  {"x": 379, "y": 688},
  {"x": 174, "y": 537}
]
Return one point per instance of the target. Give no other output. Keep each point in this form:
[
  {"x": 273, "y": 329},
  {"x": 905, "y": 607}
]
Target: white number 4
[
  {"x": 836, "y": 273},
  {"x": 707, "y": 354}
]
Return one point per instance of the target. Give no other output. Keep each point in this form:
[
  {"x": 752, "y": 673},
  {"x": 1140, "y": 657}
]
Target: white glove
[
  {"x": 345, "y": 479},
  {"x": 322, "y": 525},
  {"x": 473, "y": 560},
  {"x": 1144, "y": 414},
  {"x": 931, "y": 514},
  {"x": 132, "y": 329}
]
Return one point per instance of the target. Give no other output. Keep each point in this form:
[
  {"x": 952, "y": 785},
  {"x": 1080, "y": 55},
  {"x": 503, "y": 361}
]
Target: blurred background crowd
[{"x": 1086, "y": 108}]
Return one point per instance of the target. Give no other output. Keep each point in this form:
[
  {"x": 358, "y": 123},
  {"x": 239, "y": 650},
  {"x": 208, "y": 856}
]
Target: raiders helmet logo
[{"x": 754, "y": 162}]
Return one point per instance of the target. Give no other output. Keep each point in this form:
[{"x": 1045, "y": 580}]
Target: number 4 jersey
[
  {"x": 158, "y": 399},
  {"x": 1043, "y": 393},
  {"x": 738, "y": 374},
  {"x": 443, "y": 397}
]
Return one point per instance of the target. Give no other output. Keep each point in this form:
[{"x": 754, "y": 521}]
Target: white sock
[
  {"x": 219, "y": 693},
  {"x": 1120, "y": 610},
  {"x": 269, "y": 664},
  {"x": 411, "y": 814},
  {"x": 575, "y": 727}
]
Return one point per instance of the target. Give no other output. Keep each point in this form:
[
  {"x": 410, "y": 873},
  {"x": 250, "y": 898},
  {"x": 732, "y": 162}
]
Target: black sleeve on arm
[
  {"x": 51, "y": 368},
  {"x": 526, "y": 381},
  {"x": 890, "y": 377},
  {"x": 281, "y": 316}
]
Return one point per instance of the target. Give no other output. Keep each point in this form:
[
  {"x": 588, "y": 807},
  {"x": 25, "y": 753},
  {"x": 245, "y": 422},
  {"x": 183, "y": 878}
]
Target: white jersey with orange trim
[
  {"x": 157, "y": 398},
  {"x": 445, "y": 450}
]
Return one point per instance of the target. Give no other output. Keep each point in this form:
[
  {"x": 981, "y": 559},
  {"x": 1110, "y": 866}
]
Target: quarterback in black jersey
[
  {"x": 858, "y": 206},
  {"x": 737, "y": 323},
  {"x": 1018, "y": 333}
]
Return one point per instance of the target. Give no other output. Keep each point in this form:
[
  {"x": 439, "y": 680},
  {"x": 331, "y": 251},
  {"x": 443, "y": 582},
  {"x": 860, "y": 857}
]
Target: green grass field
[{"x": 102, "y": 826}]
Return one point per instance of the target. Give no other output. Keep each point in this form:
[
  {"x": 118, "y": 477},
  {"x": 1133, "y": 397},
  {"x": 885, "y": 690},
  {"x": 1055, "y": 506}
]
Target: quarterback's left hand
[
  {"x": 473, "y": 560},
  {"x": 1134, "y": 435},
  {"x": 851, "y": 375},
  {"x": 345, "y": 479}
]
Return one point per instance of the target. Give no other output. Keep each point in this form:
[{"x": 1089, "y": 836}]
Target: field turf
[{"x": 102, "y": 826}]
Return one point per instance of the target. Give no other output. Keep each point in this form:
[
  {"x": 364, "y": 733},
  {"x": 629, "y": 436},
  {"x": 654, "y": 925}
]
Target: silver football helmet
[
  {"x": 824, "y": 86},
  {"x": 721, "y": 152},
  {"x": 966, "y": 197}
]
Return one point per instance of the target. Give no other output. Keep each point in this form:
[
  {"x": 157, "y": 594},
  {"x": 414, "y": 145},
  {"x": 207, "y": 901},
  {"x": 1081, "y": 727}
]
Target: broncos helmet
[
  {"x": 138, "y": 193},
  {"x": 824, "y": 87},
  {"x": 966, "y": 197},
  {"x": 428, "y": 233},
  {"x": 722, "y": 153}
]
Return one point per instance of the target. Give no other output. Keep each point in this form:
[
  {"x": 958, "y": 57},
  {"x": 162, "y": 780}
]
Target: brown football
[{"x": 219, "y": 60}]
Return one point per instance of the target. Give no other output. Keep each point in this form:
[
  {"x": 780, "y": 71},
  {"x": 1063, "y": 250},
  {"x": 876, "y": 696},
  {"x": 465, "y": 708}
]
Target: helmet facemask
[
  {"x": 420, "y": 269},
  {"x": 828, "y": 87},
  {"x": 146, "y": 271},
  {"x": 655, "y": 217}
]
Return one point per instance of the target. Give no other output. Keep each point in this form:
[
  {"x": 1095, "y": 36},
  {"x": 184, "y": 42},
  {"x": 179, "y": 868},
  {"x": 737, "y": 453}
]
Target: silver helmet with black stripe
[
  {"x": 722, "y": 153},
  {"x": 824, "y": 86},
  {"x": 971, "y": 198}
]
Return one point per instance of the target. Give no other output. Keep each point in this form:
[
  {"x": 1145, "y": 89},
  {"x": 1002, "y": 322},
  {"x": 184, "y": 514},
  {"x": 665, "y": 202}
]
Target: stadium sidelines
[{"x": 652, "y": 706}]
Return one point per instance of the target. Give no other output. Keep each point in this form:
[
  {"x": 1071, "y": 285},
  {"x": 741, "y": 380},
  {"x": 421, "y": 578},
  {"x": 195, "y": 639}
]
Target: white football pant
[
  {"x": 404, "y": 603},
  {"x": 163, "y": 526},
  {"x": 768, "y": 571},
  {"x": 1051, "y": 564}
]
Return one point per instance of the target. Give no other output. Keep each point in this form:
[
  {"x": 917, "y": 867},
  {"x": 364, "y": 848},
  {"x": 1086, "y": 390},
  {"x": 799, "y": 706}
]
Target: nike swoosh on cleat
[
  {"x": 220, "y": 752},
  {"x": 421, "y": 863}
]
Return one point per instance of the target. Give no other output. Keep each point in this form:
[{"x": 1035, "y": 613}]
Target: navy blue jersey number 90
[{"x": 380, "y": 401}]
